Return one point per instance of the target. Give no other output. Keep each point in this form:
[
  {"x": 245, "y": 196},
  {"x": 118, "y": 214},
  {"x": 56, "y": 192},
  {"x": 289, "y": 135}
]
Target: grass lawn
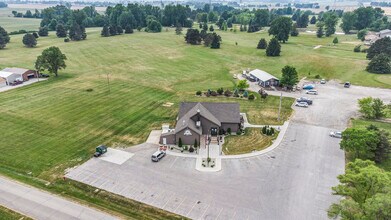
[
  {"x": 358, "y": 123},
  {"x": 7, "y": 214},
  {"x": 56, "y": 124},
  {"x": 253, "y": 139}
]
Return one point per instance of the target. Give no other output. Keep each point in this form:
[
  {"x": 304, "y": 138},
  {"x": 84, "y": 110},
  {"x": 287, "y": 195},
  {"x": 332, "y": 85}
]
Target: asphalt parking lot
[{"x": 292, "y": 182}]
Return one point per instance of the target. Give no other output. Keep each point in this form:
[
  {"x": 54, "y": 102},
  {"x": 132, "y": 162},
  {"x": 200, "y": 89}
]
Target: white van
[{"x": 158, "y": 155}]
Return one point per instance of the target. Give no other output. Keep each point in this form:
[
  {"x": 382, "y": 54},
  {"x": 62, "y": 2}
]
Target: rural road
[
  {"x": 291, "y": 182},
  {"x": 38, "y": 204}
]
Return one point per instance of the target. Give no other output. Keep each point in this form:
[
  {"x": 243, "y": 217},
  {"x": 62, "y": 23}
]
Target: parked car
[
  {"x": 304, "y": 99},
  {"x": 251, "y": 79},
  {"x": 99, "y": 150},
  {"x": 45, "y": 75},
  {"x": 301, "y": 104},
  {"x": 158, "y": 155},
  {"x": 308, "y": 87},
  {"x": 312, "y": 92},
  {"x": 336, "y": 134},
  {"x": 346, "y": 85},
  {"x": 323, "y": 81}
]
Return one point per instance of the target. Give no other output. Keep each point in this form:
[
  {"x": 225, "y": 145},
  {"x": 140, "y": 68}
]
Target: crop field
[
  {"x": 114, "y": 88},
  {"x": 10, "y": 23}
]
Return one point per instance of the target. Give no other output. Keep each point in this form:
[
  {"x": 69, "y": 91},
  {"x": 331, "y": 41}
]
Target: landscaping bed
[{"x": 251, "y": 140}]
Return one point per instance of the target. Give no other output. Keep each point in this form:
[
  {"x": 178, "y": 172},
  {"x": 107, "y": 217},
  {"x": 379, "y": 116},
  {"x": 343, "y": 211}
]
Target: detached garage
[
  {"x": 264, "y": 79},
  {"x": 9, "y": 77},
  {"x": 24, "y": 74}
]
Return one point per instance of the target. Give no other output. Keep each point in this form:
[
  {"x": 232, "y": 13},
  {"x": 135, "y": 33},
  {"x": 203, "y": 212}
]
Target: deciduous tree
[
  {"x": 280, "y": 28},
  {"x": 381, "y": 63},
  {"x": 380, "y": 46},
  {"x": 4, "y": 38},
  {"x": 29, "y": 40},
  {"x": 51, "y": 59},
  {"x": 289, "y": 76}
]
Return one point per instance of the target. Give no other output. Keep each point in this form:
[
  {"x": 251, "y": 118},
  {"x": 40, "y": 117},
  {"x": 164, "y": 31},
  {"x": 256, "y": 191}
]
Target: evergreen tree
[
  {"x": 262, "y": 44},
  {"x": 302, "y": 21},
  {"x": 29, "y": 40},
  {"x": 61, "y": 31},
  {"x": 274, "y": 48},
  {"x": 4, "y": 38},
  {"x": 178, "y": 29},
  {"x": 381, "y": 63},
  {"x": 193, "y": 36},
  {"x": 120, "y": 30},
  {"x": 105, "y": 31},
  {"x": 128, "y": 29},
  {"x": 294, "y": 31},
  {"x": 241, "y": 29},
  {"x": 113, "y": 30},
  {"x": 335, "y": 41},
  {"x": 313, "y": 20},
  {"x": 215, "y": 41},
  {"x": 75, "y": 32},
  {"x": 211, "y": 28},
  {"x": 35, "y": 35},
  {"x": 43, "y": 31},
  {"x": 319, "y": 32},
  {"x": 205, "y": 27}
]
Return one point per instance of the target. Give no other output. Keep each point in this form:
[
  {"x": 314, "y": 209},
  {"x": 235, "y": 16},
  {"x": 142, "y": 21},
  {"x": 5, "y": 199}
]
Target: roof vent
[{"x": 183, "y": 122}]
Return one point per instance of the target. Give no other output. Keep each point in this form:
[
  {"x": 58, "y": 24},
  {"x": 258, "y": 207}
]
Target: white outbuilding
[
  {"x": 9, "y": 77},
  {"x": 264, "y": 79}
]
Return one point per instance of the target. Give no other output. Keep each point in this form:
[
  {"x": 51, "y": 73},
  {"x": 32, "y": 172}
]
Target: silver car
[
  {"x": 302, "y": 104},
  {"x": 312, "y": 92},
  {"x": 158, "y": 155},
  {"x": 336, "y": 134}
]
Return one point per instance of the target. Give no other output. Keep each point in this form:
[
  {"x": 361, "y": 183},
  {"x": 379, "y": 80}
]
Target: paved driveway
[{"x": 292, "y": 182}]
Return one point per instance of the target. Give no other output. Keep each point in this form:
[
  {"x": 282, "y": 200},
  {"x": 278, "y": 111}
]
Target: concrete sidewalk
[{"x": 39, "y": 204}]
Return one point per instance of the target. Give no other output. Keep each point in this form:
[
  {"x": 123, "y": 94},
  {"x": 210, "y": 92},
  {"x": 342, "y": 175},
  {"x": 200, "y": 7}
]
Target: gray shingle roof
[
  {"x": 223, "y": 112},
  {"x": 15, "y": 70}
]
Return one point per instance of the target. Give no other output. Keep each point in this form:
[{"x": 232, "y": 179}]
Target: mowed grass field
[
  {"x": 7, "y": 214},
  {"x": 52, "y": 125},
  {"x": 10, "y": 23}
]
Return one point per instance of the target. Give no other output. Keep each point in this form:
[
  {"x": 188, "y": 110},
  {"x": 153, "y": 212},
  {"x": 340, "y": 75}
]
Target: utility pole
[
  {"x": 279, "y": 107},
  {"x": 108, "y": 81}
]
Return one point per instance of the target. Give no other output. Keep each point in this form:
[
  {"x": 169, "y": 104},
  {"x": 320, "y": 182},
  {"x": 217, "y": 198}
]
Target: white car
[
  {"x": 312, "y": 92},
  {"x": 302, "y": 104},
  {"x": 336, "y": 134},
  {"x": 323, "y": 81}
]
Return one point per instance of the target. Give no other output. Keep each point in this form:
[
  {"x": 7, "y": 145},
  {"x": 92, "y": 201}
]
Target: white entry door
[{"x": 164, "y": 141}]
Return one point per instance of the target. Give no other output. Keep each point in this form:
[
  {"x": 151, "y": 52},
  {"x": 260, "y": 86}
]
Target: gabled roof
[
  {"x": 5, "y": 74},
  {"x": 262, "y": 75},
  {"x": 385, "y": 31},
  {"x": 15, "y": 70},
  {"x": 216, "y": 112}
]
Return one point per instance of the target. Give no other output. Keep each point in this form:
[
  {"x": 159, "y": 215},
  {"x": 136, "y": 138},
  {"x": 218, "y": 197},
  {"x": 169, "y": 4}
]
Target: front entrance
[{"x": 213, "y": 131}]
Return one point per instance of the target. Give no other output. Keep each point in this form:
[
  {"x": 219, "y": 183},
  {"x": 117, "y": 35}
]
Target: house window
[{"x": 187, "y": 132}]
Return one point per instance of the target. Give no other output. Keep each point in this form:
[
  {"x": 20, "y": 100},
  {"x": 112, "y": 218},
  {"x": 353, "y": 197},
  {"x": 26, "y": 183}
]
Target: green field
[
  {"x": 56, "y": 124},
  {"x": 358, "y": 123},
  {"x": 10, "y": 23},
  {"x": 7, "y": 214}
]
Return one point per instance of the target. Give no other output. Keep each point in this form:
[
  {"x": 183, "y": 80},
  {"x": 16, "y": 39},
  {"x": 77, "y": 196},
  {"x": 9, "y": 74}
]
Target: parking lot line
[
  {"x": 173, "y": 162},
  {"x": 168, "y": 200},
  {"x": 179, "y": 204},
  {"x": 219, "y": 213},
  {"x": 205, "y": 210},
  {"x": 187, "y": 214}
]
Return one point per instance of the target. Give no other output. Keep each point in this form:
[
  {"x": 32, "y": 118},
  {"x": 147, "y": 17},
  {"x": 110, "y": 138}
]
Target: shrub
[
  {"x": 220, "y": 91},
  {"x": 264, "y": 129},
  {"x": 271, "y": 131},
  {"x": 228, "y": 130},
  {"x": 89, "y": 90},
  {"x": 245, "y": 94},
  {"x": 251, "y": 97},
  {"x": 180, "y": 143},
  {"x": 191, "y": 149},
  {"x": 66, "y": 40},
  {"x": 185, "y": 147},
  {"x": 238, "y": 132},
  {"x": 227, "y": 93},
  {"x": 198, "y": 93},
  {"x": 364, "y": 50},
  {"x": 317, "y": 76},
  {"x": 357, "y": 49},
  {"x": 213, "y": 93},
  {"x": 208, "y": 159},
  {"x": 195, "y": 143}
]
